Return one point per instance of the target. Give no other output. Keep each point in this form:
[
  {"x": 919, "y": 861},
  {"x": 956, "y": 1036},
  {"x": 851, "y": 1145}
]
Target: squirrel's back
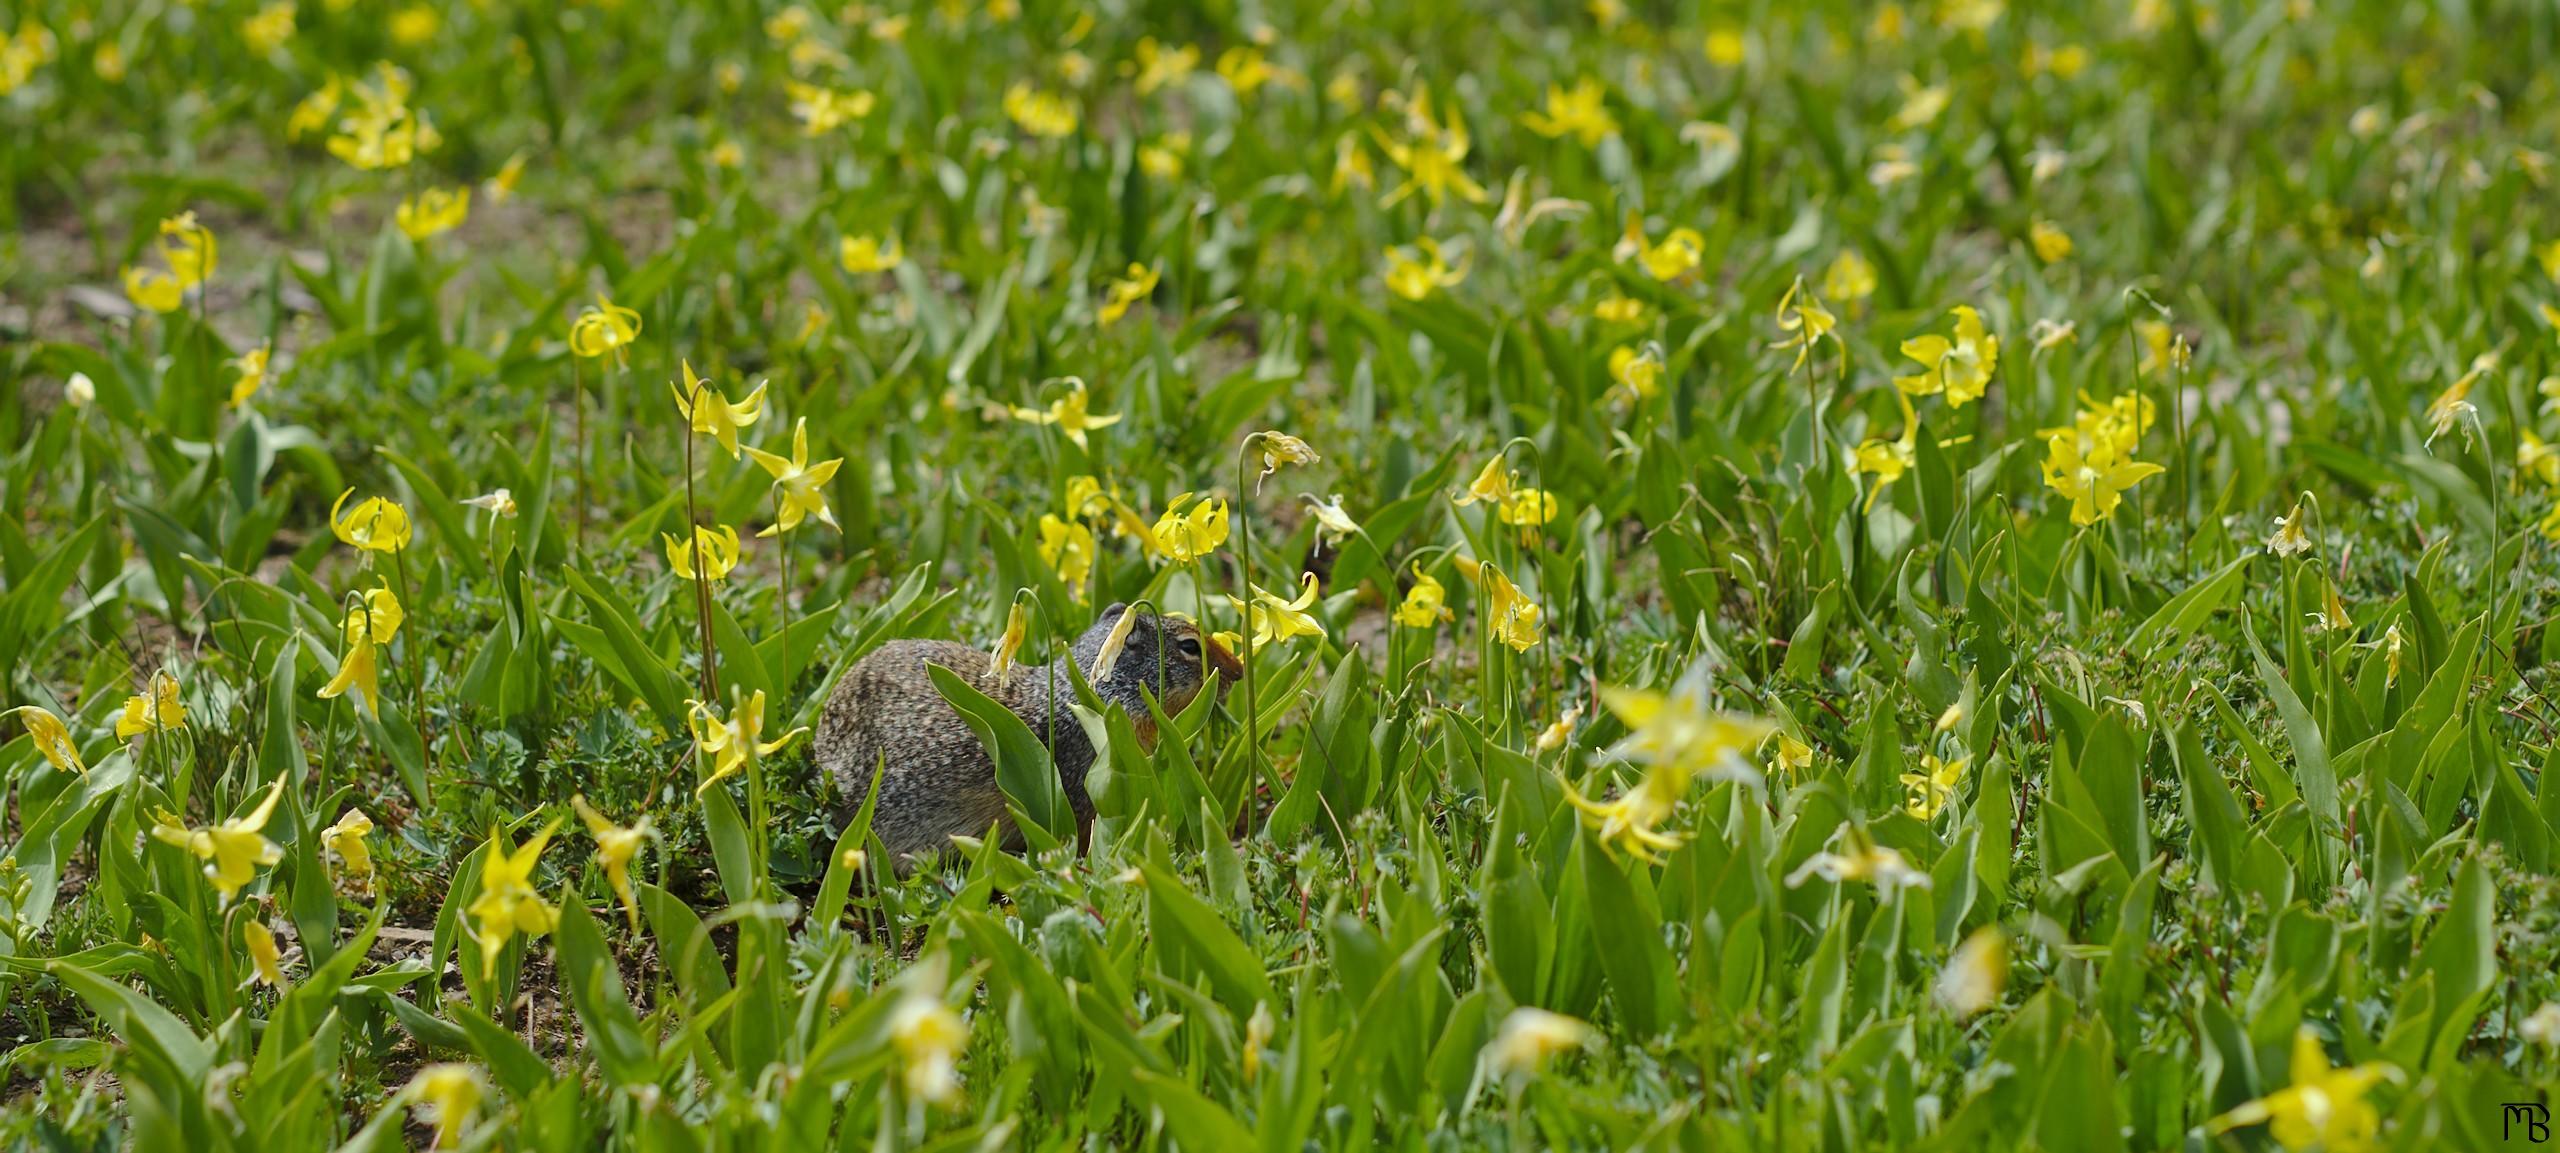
[{"x": 937, "y": 780}]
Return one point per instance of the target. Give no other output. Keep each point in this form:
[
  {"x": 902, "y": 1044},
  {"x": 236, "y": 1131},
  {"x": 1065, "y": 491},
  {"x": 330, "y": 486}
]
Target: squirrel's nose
[{"x": 1229, "y": 669}]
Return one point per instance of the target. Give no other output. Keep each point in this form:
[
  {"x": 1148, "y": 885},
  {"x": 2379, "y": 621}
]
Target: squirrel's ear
[{"x": 1112, "y": 613}]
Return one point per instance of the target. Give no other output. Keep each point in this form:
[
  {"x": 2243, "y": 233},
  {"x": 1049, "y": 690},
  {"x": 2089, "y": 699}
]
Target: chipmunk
[{"x": 939, "y": 780}]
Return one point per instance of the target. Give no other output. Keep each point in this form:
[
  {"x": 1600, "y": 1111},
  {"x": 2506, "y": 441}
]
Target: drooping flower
[
  {"x": 508, "y": 903},
  {"x": 1510, "y": 615},
  {"x": 1638, "y": 374},
  {"x": 1066, "y": 546},
  {"x": 1960, "y": 368},
  {"x": 1527, "y": 510},
  {"x": 1581, "y": 112},
  {"x": 1678, "y": 254},
  {"x": 433, "y": 212},
  {"x": 1280, "y": 448},
  {"x": 153, "y": 289},
  {"x": 252, "y": 366},
  {"x": 1554, "y": 736},
  {"x": 368, "y": 626},
  {"x": 1930, "y": 788},
  {"x": 1787, "y": 755},
  {"x": 1333, "y": 525},
  {"x": 864, "y": 255},
  {"x": 265, "y": 960},
  {"x": 802, "y": 485},
  {"x": 1159, "y": 66},
  {"x": 1071, "y": 413},
  {"x": 2051, "y": 243},
  {"x": 1040, "y": 113},
  {"x": 450, "y": 1094},
  {"x": 1414, "y": 272},
  {"x": 1126, "y": 290},
  {"x": 1616, "y": 309},
  {"x": 2454, "y": 403},
  {"x": 1805, "y": 323},
  {"x": 1976, "y": 973},
  {"x": 2094, "y": 485},
  {"x": 2324, "y": 1107},
  {"x": 1275, "y": 620},
  {"x": 1849, "y": 280},
  {"x": 1017, "y": 625},
  {"x": 1433, "y": 158},
  {"x": 189, "y": 248},
  {"x": 1185, "y": 536},
  {"x": 1888, "y": 460},
  {"x": 1426, "y": 603},
  {"x": 728, "y": 743},
  {"x": 382, "y": 131},
  {"x": 497, "y": 502},
  {"x": 615, "y": 846},
  {"x": 155, "y": 709},
  {"x": 929, "y": 1039},
  {"x": 346, "y": 838},
  {"x": 1492, "y": 483},
  {"x": 51, "y": 738},
  {"x": 604, "y": 328},
  {"x": 1863, "y": 860},
  {"x": 2291, "y": 538},
  {"x": 704, "y": 409},
  {"x": 232, "y": 850},
  {"x": 1676, "y": 737},
  {"x": 502, "y": 186},
  {"x": 376, "y": 524},
  {"x": 1529, "y": 1037},
  {"x": 823, "y": 110},
  {"x": 708, "y": 556}
]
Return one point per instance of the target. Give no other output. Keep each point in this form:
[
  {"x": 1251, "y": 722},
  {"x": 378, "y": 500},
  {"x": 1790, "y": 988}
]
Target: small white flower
[{"x": 80, "y": 391}]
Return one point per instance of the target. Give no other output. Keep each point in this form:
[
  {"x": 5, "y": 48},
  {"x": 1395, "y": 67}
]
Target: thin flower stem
[
  {"x": 693, "y": 541},
  {"x": 417, "y": 666},
  {"x": 1244, "y": 579}
]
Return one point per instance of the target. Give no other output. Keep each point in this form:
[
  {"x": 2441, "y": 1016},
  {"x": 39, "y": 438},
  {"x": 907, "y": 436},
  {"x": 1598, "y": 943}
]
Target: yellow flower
[
  {"x": 1976, "y": 974},
  {"x": 347, "y": 840},
  {"x": 2160, "y": 344},
  {"x": 2111, "y": 431},
  {"x": 414, "y": 25},
  {"x": 433, "y": 212},
  {"x": 1806, "y": 323},
  {"x": 1137, "y": 285},
  {"x": 51, "y": 738},
  {"x": 1864, "y": 861},
  {"x": 503, "y": 185},
  {"x": 2095, "y": 485},
  {"x": 264, "y": 957},
  {"x": 1426, "y": 603},
  {"x": 2050, "y": 242},
  {"x": 1413, "y": 272},
  {"x": 1527, "y": 509},
  {"x": 1017, "y": 625},
  {"x": 2047, "y": 334},
  {"x": 1492, "y": 483},
  {"x": 1850, "y": 279},
  {"x": 706, "y": 410},
  {"x": 2454, "y": 403},
  {"x": 1159, "y": 66},
  {"x": 1580, "y": 112},
  {"x": 232, "y": 850},
  {"x": 862, "y": 255},
  {"x": 369, "y": 626},
  {"x": 1185, "y": 536},
  {"x": 1258, "y": 1029},
  {"x": 1726, "y": 48},
  {"x": 1433, "y": 160},
  {"x": 615, "y": 846},
  {"x": 1930, "y": 788},
  {"x": 1960, "y": 368},
  {"x": 802, "y": 485},
  {"x": 383, "y": 131},
  {"x": 375, "y": 525},
  {"x": 1529, "y": 1037},
  {"x": 508, "y": 903},
  {"x": 1676, "y": 736},
  {"x": 1280, "y": 448},
  {"x": 1619, "y": 310},
  {"x": 269, "y": 29},
  {"x": 1066, "y": 546},
  {"x": 1351, "y": 165},
  {"x": 313, "y": 112},
  {"x": 189, "y": 248},
  {"x": 1509, "y": 613},
  {"x": 1920, "y": 106},
  {"x": 1275, "y": 620},
  {"x": 2325, "y": 1107},
  {"x": 1885, "y": 459},
  {"x": 1639, "y": 373},
  {"x": 2536, "y": 459},
  {"x": 451, "y": 1093},
  {"x": 1554, "y": 736},
  {"x": 1679, "y": 254},
  {"x": 2290, "y": 538},
  {"x": 929, "y": 1039},
  {"x": 253, "y": 373},
  {"x": 728, "y": 743},
  {"x": 1246, "y": 70},
  {"x": 823, "y": 110},
  {"x": 1043, "y": 114},
  {"x": 156, "y": 709},
  {"x": 1071, "y": 413},
  {"x": 717, "y": 553},
  {"x": 497, "y": 502},
  {"x": 1333, "y": 524},
  {"x": 1790, "y": 756},
  {"x": 153, "y": 289},
  {"x": 604, "y": 327}
]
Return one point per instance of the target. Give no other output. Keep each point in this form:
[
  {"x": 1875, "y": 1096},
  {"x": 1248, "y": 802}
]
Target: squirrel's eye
[{"x": 1190, "y": 646}]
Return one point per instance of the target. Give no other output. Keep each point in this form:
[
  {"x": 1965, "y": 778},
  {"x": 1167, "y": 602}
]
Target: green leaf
[{"x": 1024, "y": 769}]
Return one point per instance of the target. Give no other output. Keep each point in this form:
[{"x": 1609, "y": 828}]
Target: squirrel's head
[{"x": 1168, "y": 655}]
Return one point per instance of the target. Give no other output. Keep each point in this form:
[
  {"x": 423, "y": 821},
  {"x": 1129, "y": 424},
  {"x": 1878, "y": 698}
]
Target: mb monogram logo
[{"x": 2532, "y": 1117}]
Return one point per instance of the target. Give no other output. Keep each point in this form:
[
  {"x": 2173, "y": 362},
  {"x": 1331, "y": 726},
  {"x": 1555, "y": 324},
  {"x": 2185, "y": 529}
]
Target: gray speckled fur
[{"x": 939, "y": 781}]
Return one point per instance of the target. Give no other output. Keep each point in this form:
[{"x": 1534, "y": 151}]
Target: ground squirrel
[{"x": 939, "y": 781}]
